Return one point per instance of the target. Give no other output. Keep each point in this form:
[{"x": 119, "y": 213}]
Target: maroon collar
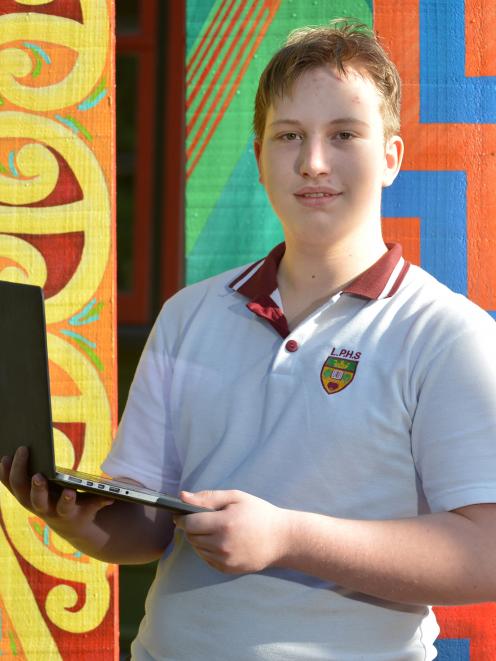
[
  {"x": 257, "y": 283},
  {"x": 260, "y": 279},
  {"x": 375, "y": 282}
]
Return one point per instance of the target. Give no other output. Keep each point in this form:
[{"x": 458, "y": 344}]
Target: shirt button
[{"x": 291, "y": 345}]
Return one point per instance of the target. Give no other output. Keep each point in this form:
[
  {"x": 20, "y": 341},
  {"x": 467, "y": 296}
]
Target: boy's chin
[{"x": 319, "y": 233}]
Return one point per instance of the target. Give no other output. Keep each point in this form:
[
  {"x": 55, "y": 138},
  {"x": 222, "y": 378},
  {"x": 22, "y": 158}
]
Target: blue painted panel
[
  {"x": 446, "y": 94},
  {"x": 453, "y": 649},
  {"x": 439, "y": 200}
]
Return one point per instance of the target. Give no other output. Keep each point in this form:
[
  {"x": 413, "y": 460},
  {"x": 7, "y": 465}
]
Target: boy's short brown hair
[{"x": 343, "y": 42}]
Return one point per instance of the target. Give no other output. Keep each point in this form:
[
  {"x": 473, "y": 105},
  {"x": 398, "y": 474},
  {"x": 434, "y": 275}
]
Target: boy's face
[{"x": 323, "y": 160}]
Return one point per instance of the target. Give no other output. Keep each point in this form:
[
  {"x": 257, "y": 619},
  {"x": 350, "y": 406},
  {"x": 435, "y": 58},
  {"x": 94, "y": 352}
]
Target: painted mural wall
[
  {"x": 442, "y": 206},
  {"x": 57, "y": 231}
]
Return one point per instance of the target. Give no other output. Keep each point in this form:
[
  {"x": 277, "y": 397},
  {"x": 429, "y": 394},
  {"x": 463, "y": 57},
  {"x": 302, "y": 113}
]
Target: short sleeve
[
  {"x": 144, "y": 448},
  {"x": 454, "y": 426}
]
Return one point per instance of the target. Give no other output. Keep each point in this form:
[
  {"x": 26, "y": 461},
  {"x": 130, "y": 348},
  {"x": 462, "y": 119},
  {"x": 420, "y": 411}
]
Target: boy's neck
[
  {"x": 309, "y": 275},
  {"x": 312, "y": 267}
]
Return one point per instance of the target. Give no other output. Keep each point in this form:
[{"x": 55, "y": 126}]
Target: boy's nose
[{"x": 314, "y": 159}]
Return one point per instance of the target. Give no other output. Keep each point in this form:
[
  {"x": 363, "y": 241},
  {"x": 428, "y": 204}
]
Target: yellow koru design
[
  {"x": 35, "y": 638},
  {"x": 56, "y": 188},
  {"x": 90, "y": 215},
  {"x": 89, "y": 40},
  {"x": 92, "y": 408}
]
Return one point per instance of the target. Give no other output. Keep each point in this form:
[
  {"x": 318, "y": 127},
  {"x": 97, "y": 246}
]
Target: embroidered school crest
[{"x": 337, "y": 373}]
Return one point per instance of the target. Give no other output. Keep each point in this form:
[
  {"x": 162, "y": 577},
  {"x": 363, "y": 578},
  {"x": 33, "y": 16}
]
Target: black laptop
[{"x": 25, "y": 407}]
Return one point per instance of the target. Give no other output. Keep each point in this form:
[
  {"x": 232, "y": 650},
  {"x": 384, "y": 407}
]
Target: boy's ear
[
  {"x": 394, "y": 150},
  {"x": 257, "y": 148}
]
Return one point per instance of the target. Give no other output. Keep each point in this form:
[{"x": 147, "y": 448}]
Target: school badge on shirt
[{"x": 339, "y": 370}]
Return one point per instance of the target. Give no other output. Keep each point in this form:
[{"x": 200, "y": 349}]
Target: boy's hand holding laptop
[
  {"x": 25, "y": 405},
  {"x": 125, "y": 533},
  {"x": 74, "y": 504},
  {"x": 49, "y": 501}
]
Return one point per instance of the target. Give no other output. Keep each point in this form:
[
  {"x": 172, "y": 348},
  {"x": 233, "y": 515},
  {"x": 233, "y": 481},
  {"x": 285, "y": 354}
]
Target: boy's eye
[
  {"x": 345, "y": 135},
  {"x": 290, "y": 137}
]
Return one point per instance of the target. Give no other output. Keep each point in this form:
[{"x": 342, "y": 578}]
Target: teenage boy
[{"x": 333, "y": 403}]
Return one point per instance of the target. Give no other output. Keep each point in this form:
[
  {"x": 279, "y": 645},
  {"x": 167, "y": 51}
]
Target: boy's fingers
[
  {"x": 103, "y": 503},
  {"x": 40, "y": 498},
  {"x": 69, "y": 501},
  {"x": 20, "y": 483},
  {"x": 215, "y": 500},
  {"x": 96, "y": 503},
  {"x": 5, "y": 464},
  {"x": 66, "y": 503}
]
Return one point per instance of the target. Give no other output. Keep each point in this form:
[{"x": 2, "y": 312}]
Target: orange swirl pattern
[{"x": 57, "y": 231}]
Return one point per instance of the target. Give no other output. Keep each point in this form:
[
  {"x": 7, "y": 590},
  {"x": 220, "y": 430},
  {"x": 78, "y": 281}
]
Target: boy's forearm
[
  {"x": 443, "y": 558},
  {"x": 123, "y": 533}
]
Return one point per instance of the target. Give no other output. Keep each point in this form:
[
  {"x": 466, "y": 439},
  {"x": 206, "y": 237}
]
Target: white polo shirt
[{"x": 379, "y": 405}]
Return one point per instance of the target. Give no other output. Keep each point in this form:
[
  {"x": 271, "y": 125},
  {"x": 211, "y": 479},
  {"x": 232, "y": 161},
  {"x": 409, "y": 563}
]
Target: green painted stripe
[
  {"x": 80, "y": 127},
  {"x": 98, "y": 91},
  {"x": 78, "y": 337},
  {"x": 37, "y": 68},
  {"x": 93, "y": 312},
  {"x": 13, "y": 645},
  {"x": 93, "y": 357},
  {"x": 99, "y": 88},
  {"x": 90, "y": 353}
]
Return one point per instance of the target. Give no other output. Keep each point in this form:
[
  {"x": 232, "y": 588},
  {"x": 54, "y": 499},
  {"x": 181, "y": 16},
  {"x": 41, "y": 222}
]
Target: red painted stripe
[
  {"x": 200, "y": 133},
  {"x": 204, "y": 39},
  {"x": 220, "y": 72},
  {"x": 206, "y": 35},
  {"x": 273, "y": 7},
  {"x": 60, "y": 8},
  {"x": 213, "y": 59}
]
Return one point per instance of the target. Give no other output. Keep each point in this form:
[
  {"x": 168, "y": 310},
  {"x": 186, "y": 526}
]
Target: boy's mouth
[{"x": 315, "y": 193}]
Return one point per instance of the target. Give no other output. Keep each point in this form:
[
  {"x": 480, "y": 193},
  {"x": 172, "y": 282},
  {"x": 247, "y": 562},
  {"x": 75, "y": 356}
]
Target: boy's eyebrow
[{"x": 334, "y": 122}]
